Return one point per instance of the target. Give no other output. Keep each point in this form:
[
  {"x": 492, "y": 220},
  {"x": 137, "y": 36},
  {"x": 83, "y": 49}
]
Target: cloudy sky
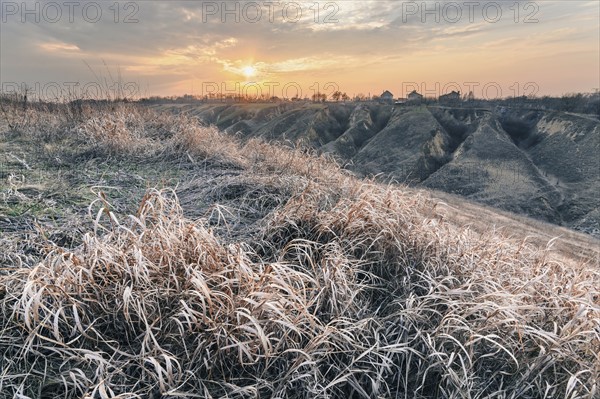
[{"x": 175, "y": 47}]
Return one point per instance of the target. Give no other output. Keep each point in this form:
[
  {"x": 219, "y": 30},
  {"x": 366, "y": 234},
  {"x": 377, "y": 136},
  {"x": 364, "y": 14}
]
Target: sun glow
[{"x": 249, "y": 71}]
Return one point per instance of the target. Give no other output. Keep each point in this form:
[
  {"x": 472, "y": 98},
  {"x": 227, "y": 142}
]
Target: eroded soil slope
[{"x": 541, "y": 164}]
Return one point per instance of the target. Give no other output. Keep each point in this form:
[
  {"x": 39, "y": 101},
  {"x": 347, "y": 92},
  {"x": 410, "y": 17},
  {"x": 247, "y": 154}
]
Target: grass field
[{"x": 145, "y": 255}]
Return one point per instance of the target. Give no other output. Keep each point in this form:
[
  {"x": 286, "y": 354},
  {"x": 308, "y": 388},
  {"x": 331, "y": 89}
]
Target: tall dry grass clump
[
  {"x": 365, "y": 299},
  {"x": 157, "y": 305},
  {"x": 343, "y": 288},
  {"x": 120, "y": 130},
  {"x": 131, "y": 130},
  {"x": 479, "y": 315}
]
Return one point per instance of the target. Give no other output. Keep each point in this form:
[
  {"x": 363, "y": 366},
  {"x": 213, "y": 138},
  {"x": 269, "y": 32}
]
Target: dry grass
[{"x": 345, "y": 289}]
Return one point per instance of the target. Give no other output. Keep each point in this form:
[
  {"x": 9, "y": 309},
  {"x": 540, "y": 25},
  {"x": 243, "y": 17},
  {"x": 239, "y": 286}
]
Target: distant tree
[
  {"x": 345, "y": 97},
  {"x": 572, "y": 102},
  {"x": 319, "y": 97},
  {"x": 593, "y": 105},
  {"x": 336, "y": 95}
]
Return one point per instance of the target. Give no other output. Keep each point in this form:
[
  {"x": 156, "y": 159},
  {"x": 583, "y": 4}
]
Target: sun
[{"x": 249, "y": 71}]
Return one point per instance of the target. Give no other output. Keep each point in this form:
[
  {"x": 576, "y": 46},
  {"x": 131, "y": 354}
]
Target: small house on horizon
[
  {"x": 452, "y": 97},
  {"x": 387, "y": 97},
  {"x": 414, "y": 97}
]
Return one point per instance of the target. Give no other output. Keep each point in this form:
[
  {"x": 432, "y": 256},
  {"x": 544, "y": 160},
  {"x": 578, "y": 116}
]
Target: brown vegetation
[{"x": 340, "y": 288}]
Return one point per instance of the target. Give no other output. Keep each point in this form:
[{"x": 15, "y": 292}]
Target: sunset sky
[{"x": 178, "y": 47}]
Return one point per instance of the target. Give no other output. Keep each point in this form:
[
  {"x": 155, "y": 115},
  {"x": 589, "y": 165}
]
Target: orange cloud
[{"x": 59, "y": 47}]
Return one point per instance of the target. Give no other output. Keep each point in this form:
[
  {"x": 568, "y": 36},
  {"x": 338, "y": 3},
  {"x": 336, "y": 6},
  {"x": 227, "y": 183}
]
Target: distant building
[
  {"x": 450, "y": 98},
  {"x": 387, "y": 97},
  {"x": 415, "y": 97}
]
